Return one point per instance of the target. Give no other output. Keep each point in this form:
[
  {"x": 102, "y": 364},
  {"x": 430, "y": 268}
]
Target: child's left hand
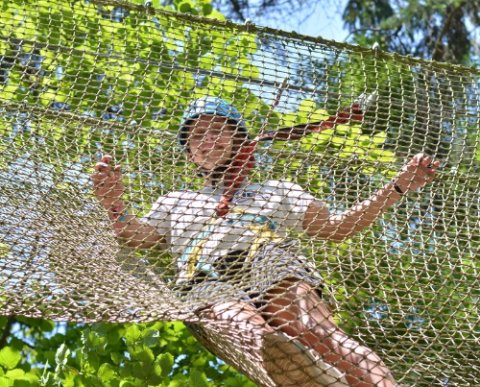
[{"x": 417, "y": 173}]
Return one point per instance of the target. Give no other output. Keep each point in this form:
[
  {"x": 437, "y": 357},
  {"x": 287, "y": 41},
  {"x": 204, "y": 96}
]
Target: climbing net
[{"x": 84, "y": 79}]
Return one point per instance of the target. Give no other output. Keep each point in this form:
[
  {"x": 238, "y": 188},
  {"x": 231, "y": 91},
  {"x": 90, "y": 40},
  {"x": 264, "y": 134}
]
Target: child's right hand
[{"x": 107, "y": 182}]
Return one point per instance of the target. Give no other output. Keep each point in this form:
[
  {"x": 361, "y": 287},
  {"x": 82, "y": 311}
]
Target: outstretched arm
[
  {"x": 109, "y": 188},
  {"x": 318, "y": 222}
]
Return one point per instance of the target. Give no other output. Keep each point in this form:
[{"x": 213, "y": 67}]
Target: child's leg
[
  {"x": 297, "y": 310},
  {"x": 238, "y": 328},
  {"x": 237, "y": 316}
]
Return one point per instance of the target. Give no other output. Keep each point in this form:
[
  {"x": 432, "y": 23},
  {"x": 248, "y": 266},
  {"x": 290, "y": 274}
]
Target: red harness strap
[{"x": 244, "y": 160}]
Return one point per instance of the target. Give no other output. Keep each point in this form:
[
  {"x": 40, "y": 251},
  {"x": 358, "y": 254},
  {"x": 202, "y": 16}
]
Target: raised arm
[
  {"x": 109, "y": 188},
  {"x": 318, "y": 222}
]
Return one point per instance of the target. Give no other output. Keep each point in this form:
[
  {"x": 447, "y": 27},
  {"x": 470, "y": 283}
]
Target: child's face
[{"x": 210, "y": 141}]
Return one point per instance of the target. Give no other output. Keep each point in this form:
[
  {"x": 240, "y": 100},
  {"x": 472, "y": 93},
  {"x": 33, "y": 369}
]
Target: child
[{"x": 234, "y": 255}]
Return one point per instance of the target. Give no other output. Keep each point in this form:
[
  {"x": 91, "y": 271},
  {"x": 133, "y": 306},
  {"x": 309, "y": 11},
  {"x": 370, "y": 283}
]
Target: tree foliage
[
  {"x": 44, "y": 353},
  {"x": 442, "y": 31},
  {"x": 243, "y": 10},
  {"x": 438, "y": 30}
]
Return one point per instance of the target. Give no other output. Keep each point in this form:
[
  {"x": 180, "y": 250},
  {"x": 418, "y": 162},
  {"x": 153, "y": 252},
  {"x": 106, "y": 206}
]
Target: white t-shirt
[{"x": 187, "y": 218}]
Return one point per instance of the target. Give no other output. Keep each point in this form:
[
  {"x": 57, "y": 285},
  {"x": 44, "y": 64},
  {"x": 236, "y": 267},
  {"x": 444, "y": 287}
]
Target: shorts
[{"x": 248, "y": 279}]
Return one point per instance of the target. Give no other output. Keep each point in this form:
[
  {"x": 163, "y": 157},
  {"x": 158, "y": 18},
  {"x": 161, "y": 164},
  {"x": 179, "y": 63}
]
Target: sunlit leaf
[{"x": 9, "y": 357}]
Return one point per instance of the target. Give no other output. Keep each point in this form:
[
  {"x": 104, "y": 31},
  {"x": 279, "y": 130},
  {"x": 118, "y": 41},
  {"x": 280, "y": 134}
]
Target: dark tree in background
[{"x": 438, "y": 30}]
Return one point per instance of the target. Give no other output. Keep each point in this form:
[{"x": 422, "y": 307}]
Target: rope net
[{"x": 82, "y": 80}]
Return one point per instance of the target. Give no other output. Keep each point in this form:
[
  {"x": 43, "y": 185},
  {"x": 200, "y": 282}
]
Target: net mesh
[{"x": 84, "y": 79}]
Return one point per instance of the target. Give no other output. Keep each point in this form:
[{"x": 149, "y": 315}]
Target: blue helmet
[{"x": 212, "y": 106}]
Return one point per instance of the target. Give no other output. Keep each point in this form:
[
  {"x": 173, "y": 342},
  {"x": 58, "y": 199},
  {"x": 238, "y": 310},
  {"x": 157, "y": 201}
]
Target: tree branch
[
  {"x": 6, "y": 331},
  {"x": 237, "y": 8},
  {"x": 438, "y": 47}
]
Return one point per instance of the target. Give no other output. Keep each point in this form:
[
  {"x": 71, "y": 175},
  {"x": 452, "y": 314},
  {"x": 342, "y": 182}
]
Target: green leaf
[
  {"x": 340, "y": 141},
  {"x": 342, "y": 129},
  {"x": 198, "y": 378},
  {"x": 61, "y": 356},
  {"x": 116, "y": 357},
  {"x": 306, "y": 108},
  {"x": 207, "y": 9},
  {"x": 185, "y": 7},
  {"x": 15, "y": 374},
  {"x": 229, "y": 85},
  {"x": 133, "y": 333},
  {"x": 319, "y": 115},
  {"x": 151, "y": 338},
  {"x": 383, "y": 156},
  {"x": 4, "y": 249},
  {"x": 207, "y": 62},
  {"x": 379, "y": 138},
  {"x": 106, "y": 372},
  {"x": 355, "y": 131},
  {"x": 217, "y": 15},
  {"x": 9, "y": 357},
  {"x": 165, "y": 361},
  {"x": 176, "y": 383},
  {"x": 143, "y": 354}
]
